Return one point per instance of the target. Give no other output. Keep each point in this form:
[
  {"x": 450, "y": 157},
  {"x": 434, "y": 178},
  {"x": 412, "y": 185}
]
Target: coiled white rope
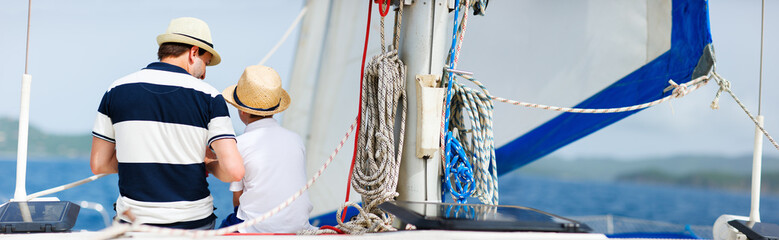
[
  {"x": 377, "y": 164},
  {"x": 481, "y": 147},
  {"x": 121, "y": 228}
]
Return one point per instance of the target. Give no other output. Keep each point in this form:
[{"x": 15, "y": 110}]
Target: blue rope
[
  {"x": 453, "y": 212},
  {"x": 457, "y": 164},
  {"x": 451, "y": 62}
]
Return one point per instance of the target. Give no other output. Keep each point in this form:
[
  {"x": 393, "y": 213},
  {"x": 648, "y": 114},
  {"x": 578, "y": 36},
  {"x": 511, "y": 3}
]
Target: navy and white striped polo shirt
[{"x": 162, "y": 120}]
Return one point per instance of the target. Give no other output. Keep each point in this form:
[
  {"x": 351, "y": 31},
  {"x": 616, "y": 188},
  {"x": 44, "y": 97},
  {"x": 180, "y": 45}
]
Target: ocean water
[{"x": 673, "y": 204}]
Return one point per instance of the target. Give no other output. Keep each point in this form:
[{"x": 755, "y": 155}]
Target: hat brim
[
  {"x": 169, "y": 37},
  {"x": 283, "y": 103}
]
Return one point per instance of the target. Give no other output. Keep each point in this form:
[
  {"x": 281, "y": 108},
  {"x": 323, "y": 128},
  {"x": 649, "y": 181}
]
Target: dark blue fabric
[
  {"x": 196, "y": 224},
  {"x": 159, "y": 182},
  {"x": 238, "y": 101},
  {"x": 690, "y": 34},
  {"x": 103, "y": 137},
  {"x": 166, "y": 67},
  {"x": 161, "y": 103},
  {"x": 652, "y": 235},
  {"x": 231, "y": 219}
]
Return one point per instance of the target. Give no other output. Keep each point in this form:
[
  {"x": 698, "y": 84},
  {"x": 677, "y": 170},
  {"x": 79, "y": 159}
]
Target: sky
[{"x": 79, "y": 47}]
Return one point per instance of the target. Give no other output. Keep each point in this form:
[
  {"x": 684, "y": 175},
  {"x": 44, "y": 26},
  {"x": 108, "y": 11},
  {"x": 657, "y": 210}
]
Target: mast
[
  {"x": 20, "y": 193},
  {"x": 423, "y": 50},
  {"x": 757, "y": 154}
]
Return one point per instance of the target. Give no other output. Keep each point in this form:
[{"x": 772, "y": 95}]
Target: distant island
[
  {"x": 41, "y": 144},
  {"x": 705, "y": 179},
  {"x": 732, "y": 173}
]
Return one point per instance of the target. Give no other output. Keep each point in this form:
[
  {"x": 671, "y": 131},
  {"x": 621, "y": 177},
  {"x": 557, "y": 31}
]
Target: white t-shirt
[{"x": 274, "y": 159}]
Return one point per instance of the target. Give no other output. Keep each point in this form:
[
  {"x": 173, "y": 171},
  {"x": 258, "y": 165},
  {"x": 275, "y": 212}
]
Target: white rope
[
  {"x": 679, "y": 90},
  {"x": 120, "y": 228},
  {"x": 481, "y": 147},
  {"x": 365, "y": 221},
  {"x": 725, "y": 86},
  {"x": 64, "y": 187},
  {"x": 377, "y": 164},
  {"x": 286, "y": 34}
]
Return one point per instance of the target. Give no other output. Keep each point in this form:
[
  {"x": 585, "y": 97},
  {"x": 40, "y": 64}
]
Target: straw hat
[
  {"x": 258, "y": 92},
  {"x": 190, "y": 31}
]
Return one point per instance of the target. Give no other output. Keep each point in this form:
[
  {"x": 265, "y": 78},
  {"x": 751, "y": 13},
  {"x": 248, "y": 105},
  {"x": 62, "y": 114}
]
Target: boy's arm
[{"x": 236, "y": 198}]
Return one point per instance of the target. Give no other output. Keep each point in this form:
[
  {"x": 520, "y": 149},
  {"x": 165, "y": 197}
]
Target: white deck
[{"x": 415, "y": 234}]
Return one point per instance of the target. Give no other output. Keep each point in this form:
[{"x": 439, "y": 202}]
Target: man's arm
[
  {"x": 102, "y": 159},
  {"x": 226, "y": 164}
]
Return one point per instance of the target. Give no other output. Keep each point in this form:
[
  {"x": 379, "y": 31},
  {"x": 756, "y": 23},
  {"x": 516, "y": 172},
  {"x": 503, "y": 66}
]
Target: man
[
  {"x": 274, "y": 157},
  {"x": 155, "y": 127}
]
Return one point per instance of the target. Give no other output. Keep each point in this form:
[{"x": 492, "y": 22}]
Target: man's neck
[
  {"x": 251, "y": 120},
  {"x": 180, "y": 61}
]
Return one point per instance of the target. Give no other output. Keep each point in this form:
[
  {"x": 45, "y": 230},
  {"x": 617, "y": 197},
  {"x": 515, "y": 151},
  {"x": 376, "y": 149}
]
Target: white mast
[
  {"x": 757, "y": 155},
  {"x": 423, "y": 49},
  {"x": 24, "y": 118}
]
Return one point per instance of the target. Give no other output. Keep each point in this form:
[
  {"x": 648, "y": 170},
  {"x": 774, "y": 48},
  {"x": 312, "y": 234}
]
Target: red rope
[
  {"x": 359, "y": 109},
  {"x": 326, "y": 227},
  {"x": 383, "y": 12}
]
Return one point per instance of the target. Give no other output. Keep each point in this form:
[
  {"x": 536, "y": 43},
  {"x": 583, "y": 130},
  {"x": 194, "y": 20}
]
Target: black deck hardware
[
  {"x": 45, "y": 216},
  {"x": 479, "y": 217}
]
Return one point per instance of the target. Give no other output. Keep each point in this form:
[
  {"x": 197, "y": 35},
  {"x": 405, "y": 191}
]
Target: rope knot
[
  {"x": 724, "y": 86},
  {"x": 679, "y": 89}
]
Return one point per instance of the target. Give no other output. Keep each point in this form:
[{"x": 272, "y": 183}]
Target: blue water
[
  {"x": 43, "y": 174},
  {"x": 679, "y": 205}
]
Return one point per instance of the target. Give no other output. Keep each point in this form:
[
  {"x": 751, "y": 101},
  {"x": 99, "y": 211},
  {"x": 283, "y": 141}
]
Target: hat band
[
  {"x": 238, "y": 101},
  {"x": 201, "y": 40}
]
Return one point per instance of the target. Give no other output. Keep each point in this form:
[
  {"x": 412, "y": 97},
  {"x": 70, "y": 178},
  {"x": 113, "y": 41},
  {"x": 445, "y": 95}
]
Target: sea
[{"x": 569, "y": 198}]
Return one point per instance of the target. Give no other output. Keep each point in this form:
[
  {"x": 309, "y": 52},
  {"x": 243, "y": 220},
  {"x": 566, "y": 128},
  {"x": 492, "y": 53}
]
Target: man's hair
[{"x": 174, "y": 49}]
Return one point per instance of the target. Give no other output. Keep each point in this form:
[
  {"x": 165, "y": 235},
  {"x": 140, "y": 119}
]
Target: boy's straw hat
[{"x": 258, "y": 92}]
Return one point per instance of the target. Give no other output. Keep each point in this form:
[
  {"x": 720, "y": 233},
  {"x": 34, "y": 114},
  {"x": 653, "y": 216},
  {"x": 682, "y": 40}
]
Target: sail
[
  {"x": 588, "y": 54},
  {"x": 688, "y": 34}
]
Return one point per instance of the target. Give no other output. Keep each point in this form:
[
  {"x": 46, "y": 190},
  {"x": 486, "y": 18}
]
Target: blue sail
[{"x": 689, "y": 38}]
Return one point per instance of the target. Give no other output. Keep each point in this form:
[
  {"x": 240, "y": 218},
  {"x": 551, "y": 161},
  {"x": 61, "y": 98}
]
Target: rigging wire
[
  {"x": 762, "y": 38},
  {"x": 286, "y": 35},
  {"x": 64, "y": 187},
  {"x": 27, "y": 48}
]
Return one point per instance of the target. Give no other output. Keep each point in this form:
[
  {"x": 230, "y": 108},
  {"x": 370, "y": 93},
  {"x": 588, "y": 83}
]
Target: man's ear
[{"x": 193, "y": 54}]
